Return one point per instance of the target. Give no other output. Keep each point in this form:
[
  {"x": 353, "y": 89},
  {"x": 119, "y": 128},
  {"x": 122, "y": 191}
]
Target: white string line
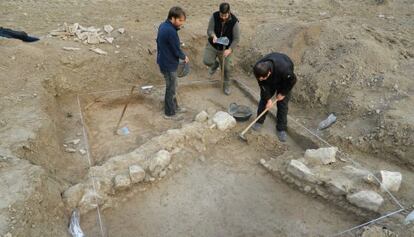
[
  {"x": 355, "y": 163},
  {"x": 158, "y": 86},
  {"x": 85, "y": 137},
  {"x": 369, "y": 222}
]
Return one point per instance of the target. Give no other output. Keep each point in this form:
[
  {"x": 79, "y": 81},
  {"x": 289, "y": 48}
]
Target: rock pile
[
  {"x": 87, "y": 35},
  {"x": 354, "y": 188},
  {"x": 148, "y": 163}
]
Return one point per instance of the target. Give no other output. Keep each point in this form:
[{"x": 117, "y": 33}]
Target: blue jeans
[{"x": 170, "y": 100}]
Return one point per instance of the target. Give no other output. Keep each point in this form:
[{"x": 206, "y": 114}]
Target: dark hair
[
  {"x": 261, "y": 69},
  {"x": 176, "y": 12},
  {"x": 224, "y": 8}
]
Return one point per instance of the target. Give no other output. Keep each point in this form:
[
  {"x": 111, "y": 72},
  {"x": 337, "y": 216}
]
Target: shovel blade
[{"x": 242, "y": 137}]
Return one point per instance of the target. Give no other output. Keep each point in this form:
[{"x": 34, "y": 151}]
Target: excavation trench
[{"x": 218, "y": 189}]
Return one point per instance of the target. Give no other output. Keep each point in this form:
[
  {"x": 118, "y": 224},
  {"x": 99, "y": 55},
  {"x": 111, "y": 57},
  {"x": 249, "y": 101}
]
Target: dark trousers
[
  {"x": 170, "y": 100},
  {"x": 282, "y": 111}
]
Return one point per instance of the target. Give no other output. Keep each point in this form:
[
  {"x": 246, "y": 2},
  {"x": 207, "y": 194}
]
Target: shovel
[
  {"x": 241, "y": 135},
  {"x": 131, "y": 96},
  {"x": 225, "y": 42}
]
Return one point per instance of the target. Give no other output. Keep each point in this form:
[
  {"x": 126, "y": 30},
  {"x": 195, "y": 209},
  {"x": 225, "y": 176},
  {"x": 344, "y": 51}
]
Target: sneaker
[
  {"x": 174, "y": 117},
  {"x": 213, "y": 69},
  {"x": 257, "y": 126},
  {"x": 181, "y": 110},
  {"x": 226, "y": 90},
  {"x": 282, "y": 135}
]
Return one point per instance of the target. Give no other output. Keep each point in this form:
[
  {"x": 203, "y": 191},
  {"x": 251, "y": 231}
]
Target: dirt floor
[
  {"x": 352, "y": 58},
  {"x": 221, "y": 196},
  {"x": 215, "y": 188}
]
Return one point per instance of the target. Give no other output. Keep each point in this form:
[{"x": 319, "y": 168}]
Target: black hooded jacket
[{"x": 282, "y": 78}]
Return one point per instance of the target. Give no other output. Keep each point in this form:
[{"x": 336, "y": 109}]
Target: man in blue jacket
[{"x": 168, "y": 55}]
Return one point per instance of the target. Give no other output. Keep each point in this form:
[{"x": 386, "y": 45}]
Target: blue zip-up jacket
[{"x": 168, "y": 47}]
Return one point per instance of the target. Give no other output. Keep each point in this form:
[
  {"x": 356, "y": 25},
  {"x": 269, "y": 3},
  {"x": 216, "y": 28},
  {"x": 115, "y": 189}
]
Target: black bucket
[
  {"x": 240, "y": 112},
  {"x": 183, "y": 68}
]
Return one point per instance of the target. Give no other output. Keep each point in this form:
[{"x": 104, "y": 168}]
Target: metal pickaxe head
[{"x": 241, "y": 136}]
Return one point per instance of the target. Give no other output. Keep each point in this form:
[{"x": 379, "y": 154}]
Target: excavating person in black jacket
[
  {"x": 274, "y": 74},
  {"x": 222, "y": 24}
]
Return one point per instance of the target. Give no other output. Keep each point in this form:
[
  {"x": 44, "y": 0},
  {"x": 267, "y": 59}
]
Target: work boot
[
  {"x": 282, "y": 135},
  {"x": 257, "y": 126},
  {"x": 226, "y": 88},
  {"x": 181, "y": 110},
  {"x": 213, "y": 69},
  {"x": 174, "y": 117}
]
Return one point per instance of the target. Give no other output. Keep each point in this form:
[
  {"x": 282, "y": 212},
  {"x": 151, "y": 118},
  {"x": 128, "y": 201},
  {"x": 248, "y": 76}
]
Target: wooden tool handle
[
  {"x": 223, "y": 61},
  {"x": 125, "y": 107},
  {"x": 258, "y": 117}
]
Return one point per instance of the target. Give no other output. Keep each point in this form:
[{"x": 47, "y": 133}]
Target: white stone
[
  {"x": 93, "y": 38},
  {"x": 71, "y": 48},
  {"x": 201, "y": 117},
  {"x": 339, "y": 187},
  {"x": 325, "y": 155},
  {"x": 73, "y": 28},
  {"x": 82, "y": 151},
  {"x": 136, "y": 173},
  {"x": 109, "y": 39},
  {"x": 122, "y": 182},
  {"x": 224, "y": 120},
  {"x": 390, "y": 180},
  {"x": 81, "y": 35},
  {"x": 70, "y": 150},
  {"x": 99, "y": 51},
  {"x": 366, "y": 199},
  {"x": 90, "y": 200},
  {"x": 163, "y": 174},
  {"x": 74, "y": 142},
  {"x": 301, "y": 171},
  {"x": 8, "y": 235},
  {"x": 159, "y": 162},
  {"x": 73, "y": 195},
  {"x": 121, "y": 30},
  {"x": 102, "y": 40},
  {"x": 355, "y": 173},
  {"x": 108, "y": 28}
]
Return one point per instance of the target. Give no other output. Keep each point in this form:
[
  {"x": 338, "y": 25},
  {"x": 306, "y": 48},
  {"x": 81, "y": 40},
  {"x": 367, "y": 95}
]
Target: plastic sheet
[
  {"x": 327, "y": 122},
  {"x": 223, "y": 41},
  {"x": 74, "y": 226}
]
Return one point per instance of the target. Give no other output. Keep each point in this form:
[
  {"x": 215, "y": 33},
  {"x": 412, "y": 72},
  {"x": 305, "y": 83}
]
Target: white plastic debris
[
  {"x": 123, "y": 131},
  {"x": 409, "y": 219},
  {"x": 74, "y": 226},
  {"x": 99, "y": 51},
  {"x": 327, "y": 122}
]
